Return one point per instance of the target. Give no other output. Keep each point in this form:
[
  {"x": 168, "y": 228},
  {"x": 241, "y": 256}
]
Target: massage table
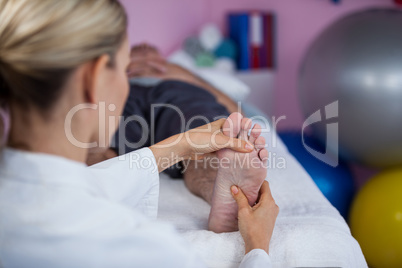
[{"x": 309, "y": 231}]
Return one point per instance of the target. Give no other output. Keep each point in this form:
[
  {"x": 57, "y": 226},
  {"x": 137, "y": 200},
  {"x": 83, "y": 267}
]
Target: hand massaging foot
[{"x": 247, "y": 171}]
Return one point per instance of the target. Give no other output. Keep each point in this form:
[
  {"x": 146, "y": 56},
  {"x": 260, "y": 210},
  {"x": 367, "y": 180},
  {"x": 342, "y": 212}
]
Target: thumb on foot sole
[{"x": 240, "y": 198}]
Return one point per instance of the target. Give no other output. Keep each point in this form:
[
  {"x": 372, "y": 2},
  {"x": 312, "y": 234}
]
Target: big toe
[
  {"x": 232, "y": 125},
  {"x": 259, "y": 143}
]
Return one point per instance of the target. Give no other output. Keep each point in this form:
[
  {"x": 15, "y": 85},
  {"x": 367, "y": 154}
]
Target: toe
[
  {"x": 255, "y": 133},
  {"x": 232, "y": 125},
  {"x": 263, "y": 154},
  {"x": 246, "y": 124},
  {"x": 259, "y": 143},
  {"x": 260, "y": 147}
]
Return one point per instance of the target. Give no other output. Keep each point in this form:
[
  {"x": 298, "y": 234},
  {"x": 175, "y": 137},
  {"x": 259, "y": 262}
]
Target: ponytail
[
  {"x": 5, "y": 122},
  {"x": 4, "y": 110}
]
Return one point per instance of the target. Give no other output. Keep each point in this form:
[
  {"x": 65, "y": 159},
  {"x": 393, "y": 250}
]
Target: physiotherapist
[{"x": 58, "y": 56}]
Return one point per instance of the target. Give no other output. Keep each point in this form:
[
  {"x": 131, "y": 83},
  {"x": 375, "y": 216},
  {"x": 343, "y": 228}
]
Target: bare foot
[
  {"x": 248, "y": 171},
  {"x": 199, "y": 177}
]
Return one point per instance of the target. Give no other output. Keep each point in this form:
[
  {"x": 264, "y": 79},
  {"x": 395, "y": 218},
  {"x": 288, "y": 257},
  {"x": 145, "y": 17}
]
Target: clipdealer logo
[{"x": 332, "y": 138}]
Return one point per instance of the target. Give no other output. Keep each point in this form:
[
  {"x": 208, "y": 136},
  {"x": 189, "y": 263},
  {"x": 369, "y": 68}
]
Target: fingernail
[
  {"x": 235, "y": 190},
  {"x": 249, "y": 146}
]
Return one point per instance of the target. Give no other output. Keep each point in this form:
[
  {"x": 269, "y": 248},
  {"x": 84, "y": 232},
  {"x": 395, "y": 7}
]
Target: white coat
[{"x": 55, "y": 212}]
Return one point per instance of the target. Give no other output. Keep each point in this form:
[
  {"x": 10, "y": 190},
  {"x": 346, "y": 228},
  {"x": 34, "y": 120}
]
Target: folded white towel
[{"x": 309, "y": 232}]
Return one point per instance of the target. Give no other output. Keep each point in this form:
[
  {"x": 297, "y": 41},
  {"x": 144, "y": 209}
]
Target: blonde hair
[{"x": 43, "y": 41}]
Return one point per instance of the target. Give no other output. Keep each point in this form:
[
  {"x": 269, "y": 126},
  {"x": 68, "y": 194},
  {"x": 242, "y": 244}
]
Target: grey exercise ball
[{"x": 358, "y": 62}]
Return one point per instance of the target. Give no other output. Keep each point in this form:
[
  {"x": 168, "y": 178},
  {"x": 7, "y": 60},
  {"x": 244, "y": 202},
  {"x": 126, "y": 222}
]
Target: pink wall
[
  {"x": 167, "y": 22},
  {"x": 164, "y": 22}
]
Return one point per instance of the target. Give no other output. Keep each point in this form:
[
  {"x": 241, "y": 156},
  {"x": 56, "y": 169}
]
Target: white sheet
[
  {"x": 221, "y": 79},
  {"x": 309, "y": 231}
]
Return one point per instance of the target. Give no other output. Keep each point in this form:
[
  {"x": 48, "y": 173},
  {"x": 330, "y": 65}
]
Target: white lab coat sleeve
[
  {"x": 131, "y": 179},
  {"x": 257, "y": 258}
]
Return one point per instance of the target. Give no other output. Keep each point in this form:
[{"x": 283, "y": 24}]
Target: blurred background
[
  {"x": 296, "y": 57},
  {"x": 167, "y": 23}
]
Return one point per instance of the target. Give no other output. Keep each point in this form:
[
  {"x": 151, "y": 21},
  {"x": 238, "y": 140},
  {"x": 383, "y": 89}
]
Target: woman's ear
[{"x": 94, "y": 78}]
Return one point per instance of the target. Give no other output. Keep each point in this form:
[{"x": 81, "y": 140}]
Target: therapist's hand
[
  {"x": 196, "y": 144},
  {"x": 209, "y": 138},
  {"x": 256, "y": 223}
]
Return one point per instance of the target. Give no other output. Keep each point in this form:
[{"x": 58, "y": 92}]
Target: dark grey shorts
[{"x": 153, "y": 114}]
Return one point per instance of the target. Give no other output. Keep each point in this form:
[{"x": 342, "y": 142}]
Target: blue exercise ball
[{"x": 336, "y": 183}]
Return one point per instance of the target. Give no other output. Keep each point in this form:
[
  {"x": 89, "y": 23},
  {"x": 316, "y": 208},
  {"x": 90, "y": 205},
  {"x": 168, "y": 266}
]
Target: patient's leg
[
  {"x": 199, "y": 177},
  {"x": 247, "y": 171}
]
